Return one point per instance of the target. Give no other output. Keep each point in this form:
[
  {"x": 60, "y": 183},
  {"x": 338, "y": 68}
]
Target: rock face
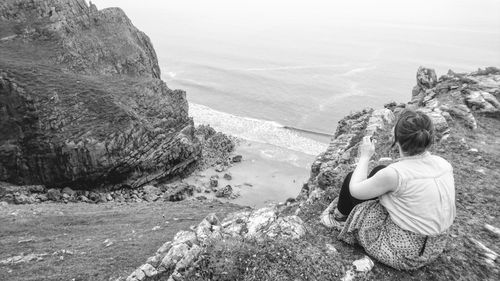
[{"x": 81, "y": 103}]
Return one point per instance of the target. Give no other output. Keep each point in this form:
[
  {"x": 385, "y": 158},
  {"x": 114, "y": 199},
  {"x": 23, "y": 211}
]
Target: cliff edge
[
  {"x": 81, "y": 102},
  {"x": 287, "y": 242}
]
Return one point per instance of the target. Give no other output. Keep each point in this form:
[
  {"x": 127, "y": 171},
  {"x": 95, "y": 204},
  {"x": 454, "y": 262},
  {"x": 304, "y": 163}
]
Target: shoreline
[{"x": 266, "y": 174}]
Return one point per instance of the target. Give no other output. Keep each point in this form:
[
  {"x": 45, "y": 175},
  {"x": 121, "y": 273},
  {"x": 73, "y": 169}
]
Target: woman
[{"x": 400, "y": 213}]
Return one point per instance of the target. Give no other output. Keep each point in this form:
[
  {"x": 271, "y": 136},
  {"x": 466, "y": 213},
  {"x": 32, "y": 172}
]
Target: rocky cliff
[
  {"x": 287, "y": 242},
  {"x": 81, "y": 102}
]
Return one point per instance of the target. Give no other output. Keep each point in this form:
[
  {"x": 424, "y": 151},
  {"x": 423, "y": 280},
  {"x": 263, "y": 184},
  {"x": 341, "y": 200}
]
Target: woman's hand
[{"x": 367, "y": 148}]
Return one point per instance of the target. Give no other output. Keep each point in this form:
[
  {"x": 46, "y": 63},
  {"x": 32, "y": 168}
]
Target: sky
[{"x": 446, "y": 13}]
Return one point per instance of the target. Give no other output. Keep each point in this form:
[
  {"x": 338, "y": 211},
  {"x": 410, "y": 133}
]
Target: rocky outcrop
[
  {"x": 80, "y": 102},
  {"x": 451, "y": 98},
  {"x": 175, "y": 258}
]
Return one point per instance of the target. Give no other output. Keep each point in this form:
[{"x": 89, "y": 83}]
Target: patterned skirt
[{"x": 370, "y": 226}]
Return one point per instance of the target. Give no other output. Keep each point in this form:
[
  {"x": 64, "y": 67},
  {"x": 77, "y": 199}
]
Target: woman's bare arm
[{"x": 382, "y": 182}]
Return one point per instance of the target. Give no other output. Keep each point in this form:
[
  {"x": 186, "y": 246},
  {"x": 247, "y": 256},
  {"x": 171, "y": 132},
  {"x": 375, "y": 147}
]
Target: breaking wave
[{"x": 256, "y": 130}]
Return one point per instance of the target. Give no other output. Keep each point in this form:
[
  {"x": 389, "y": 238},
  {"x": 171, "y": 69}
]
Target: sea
[{"x": 285, "y": 72}]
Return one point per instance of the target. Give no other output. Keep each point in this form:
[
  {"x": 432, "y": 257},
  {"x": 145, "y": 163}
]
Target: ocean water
[
  {"x": 312, "y": 83},
  {"x": 255, "y": 68}
]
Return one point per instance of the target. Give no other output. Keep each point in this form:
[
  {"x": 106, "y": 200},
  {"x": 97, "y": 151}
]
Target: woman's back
[{"x": 424, "y": 201}]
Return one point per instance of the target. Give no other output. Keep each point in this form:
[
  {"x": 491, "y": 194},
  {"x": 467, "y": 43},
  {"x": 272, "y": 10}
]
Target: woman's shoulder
[{"x": 441, "y": 161}]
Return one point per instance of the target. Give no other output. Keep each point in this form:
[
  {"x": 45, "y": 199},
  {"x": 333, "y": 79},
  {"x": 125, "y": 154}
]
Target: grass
[{"x": 83, "y": 228}]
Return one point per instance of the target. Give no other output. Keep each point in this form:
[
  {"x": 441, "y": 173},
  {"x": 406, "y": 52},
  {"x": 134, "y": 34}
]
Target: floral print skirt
[{"x": 370, "y": 226}]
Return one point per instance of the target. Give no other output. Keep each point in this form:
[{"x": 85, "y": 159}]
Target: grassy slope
[{"x": 82, "y": 229}]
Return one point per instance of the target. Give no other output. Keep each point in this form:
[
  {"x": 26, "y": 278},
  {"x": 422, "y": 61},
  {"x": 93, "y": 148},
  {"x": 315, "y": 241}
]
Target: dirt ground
[{"x": 80, "y": 241}]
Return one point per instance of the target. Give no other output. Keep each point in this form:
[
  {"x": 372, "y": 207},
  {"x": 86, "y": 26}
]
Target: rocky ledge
[
  {"x": 81, "y": 102},
  {"x": 259, "y": 244}
]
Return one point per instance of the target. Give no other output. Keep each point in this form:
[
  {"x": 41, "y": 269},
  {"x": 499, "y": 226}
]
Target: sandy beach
[{"x": 266, "y": 174}]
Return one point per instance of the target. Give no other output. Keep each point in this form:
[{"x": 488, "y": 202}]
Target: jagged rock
[
  {"x": 154, "y": 260},
  {"x": 208, "y": 229},
  {"x": 226, "y": 191},
  {"x": 235, "y": 224},
  {"x": 137, "y": 275},
  {"x": 98, "y": 114},
  {"x": 148, "y": 270},
  {"x": 174, "y": 255},
  {"x": 164, "y": 248},
  {"x": 179, "y": 192},
  {"x": 287, "y": 227},
  {"x": 482, "y": 101},
  {"x": 461, "y": 111},
  {"x": 379, "y": 119},
  {"x": 188, "y": 258},
  {"x": 54, "y": 194},
  {"x": 426, "y": 78},
  {"x": 440, "y": 124},
  {"x": 260, "y": 219}
]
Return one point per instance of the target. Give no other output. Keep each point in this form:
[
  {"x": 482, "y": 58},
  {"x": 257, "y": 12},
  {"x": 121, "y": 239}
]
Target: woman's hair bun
[{"x": 414, "y": 132}]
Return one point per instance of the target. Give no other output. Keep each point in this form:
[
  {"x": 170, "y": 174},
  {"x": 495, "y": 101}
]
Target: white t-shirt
[{"x": 424, "y": 201}]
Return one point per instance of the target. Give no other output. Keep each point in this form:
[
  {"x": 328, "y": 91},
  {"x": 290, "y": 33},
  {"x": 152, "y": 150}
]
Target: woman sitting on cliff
[{"x": 400, "y": 213}]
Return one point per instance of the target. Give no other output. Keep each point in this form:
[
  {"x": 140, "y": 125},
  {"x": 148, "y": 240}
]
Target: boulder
[
  {"x": 214, "y": 181},
  {"x": 236, "y": 158},
  {"x": 178, "y": 192},
  {"x": 54, "y": 194},
  {"x": 226, "y": 191},
  {"x": 228, "y": 176},
  {"x": 69, "y": 191},
  {"x": 93, "y": 196}
]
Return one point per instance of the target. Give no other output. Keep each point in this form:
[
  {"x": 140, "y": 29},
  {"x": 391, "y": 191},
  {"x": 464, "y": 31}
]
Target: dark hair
[{"x": 414, "y": 132}]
